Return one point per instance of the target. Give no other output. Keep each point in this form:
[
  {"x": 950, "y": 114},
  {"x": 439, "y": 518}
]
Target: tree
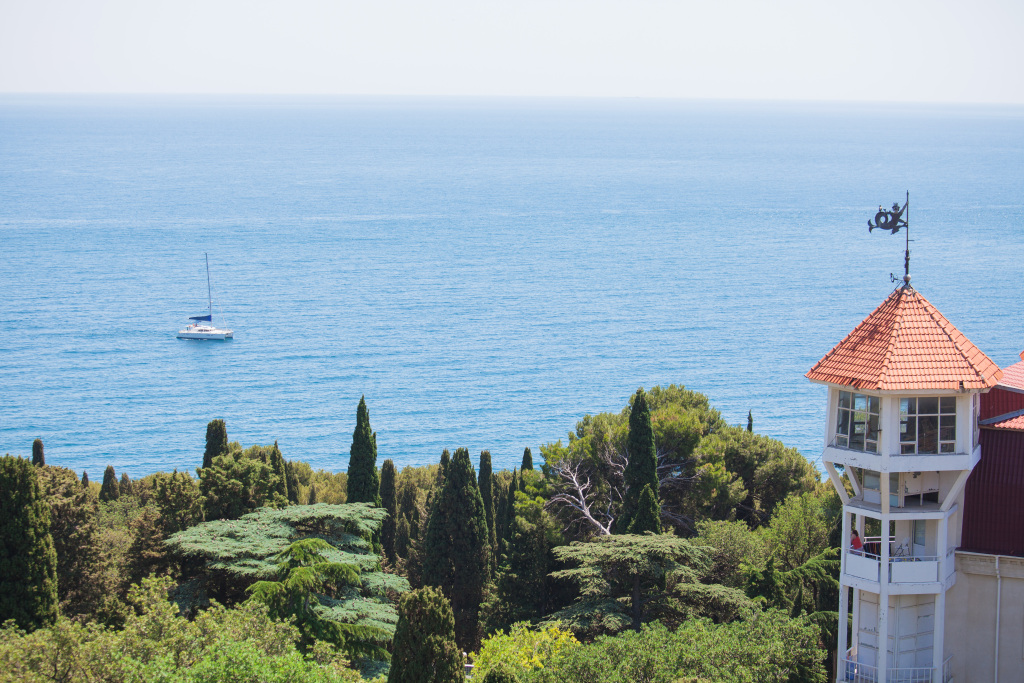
[
  {"x": 125, "y": 485},
  {"x": 28, "y": 563},
  {"x": 179, "y": 500},
  {"x": 216, "y": 441},
  {"x": 389, "y": 502},
  {"x": 109, "y": 490},
  {"x": 456, "y": 551},
  {"x": 292, "y": 478},
  {"x": 312, "y": 499},
  {"x": 85, "y": 480},
  {"x": 276, "y": 462},
  {"x": 750, "y": 421},
  {"x": 239, "y": 482},
  {"x": 622, "y": 579},
  {"x": 38, "y": 458},
  {"x": 485, "y": 484},
  {"x": 442, "y": 470},
  {"x": 303, "y": 574},
  {"x": 521, "y": 651},
  {"x": 425, "y": 649},
  {"x": 363, "y": 480},
  {"x": 527, "y": 459},
  {"x": 648, "y": 514},
  {"x": 642, "y": 465}
]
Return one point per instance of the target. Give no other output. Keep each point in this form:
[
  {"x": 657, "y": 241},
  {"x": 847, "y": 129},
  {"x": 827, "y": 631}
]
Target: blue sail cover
[{"x": 208, "y": 318}]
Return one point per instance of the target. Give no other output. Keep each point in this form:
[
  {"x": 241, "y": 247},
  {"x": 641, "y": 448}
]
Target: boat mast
[{"x": 209, "y": 296}]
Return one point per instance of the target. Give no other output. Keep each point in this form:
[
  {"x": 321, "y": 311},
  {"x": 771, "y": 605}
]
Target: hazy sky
[{"x": 896, "y": 50}]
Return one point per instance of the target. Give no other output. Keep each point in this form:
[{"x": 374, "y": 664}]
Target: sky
[{"x": 891, "y": 51}]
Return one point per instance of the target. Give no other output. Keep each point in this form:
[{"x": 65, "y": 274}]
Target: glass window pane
[
  {"x": 947, "y": 428},
  {"x": 948, "y": 404},
  {"x": 860, "y": 402},
  {"x": 871, "y": 446},
  {"x": 873, "y": 428},
  {"x": 948, "y": 448},
  {"x": 908, "y": 406},
  {"x": 844, "y": 423},
  {"x": 857, "y": 438},
  {"x": 927, "y": 406},
  {"x": 871, "y": 480},
  {"x": 845, "y": 399},
  {"x": 919, "y": 531},
  {"x": 842, "y": 442},
  {"x": 907, "y": 449},
  {"x": 928, "y": 434},
  {"x": 908, "y": 429},
  {"x": 873, "y": 404}
]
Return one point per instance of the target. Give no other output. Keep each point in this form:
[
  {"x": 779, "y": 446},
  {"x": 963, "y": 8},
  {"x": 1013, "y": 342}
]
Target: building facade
[{"x": 913, "y": 406}]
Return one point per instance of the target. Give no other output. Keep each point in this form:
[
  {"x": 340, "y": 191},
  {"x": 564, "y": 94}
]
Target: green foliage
[
  {"x": 157, "y": 644},
  {"x": 721, "y": 604},
  {"x": 520, "y": 651},
  {"x": 85, "y": 480},
  {"x": 800, "y": 528},
  {"x": 303, "y": 574},
  {"x": 28, "y": 562},
  {"x": 767, "y": 648},
  {"x": 292, "y": 482},
  {"x": 38, "y": 457},
  {"x": 110, "y": 489},
  {"x": 622, "y": 578},
  {"x": 389, "y": 501},
  {"x": 125, "y": 485},
  {"x": 178, "y": 499},
  {"x": 425, "y": 650},
  {"x": 239, "y": 482},
  {"x": 313, "y": 497},
  {"x": 730, "y": 545},
  {"x": 456, "y": 548},
  {"x": 750, "y": 421},
  {"x": 527, "y": 459},
  {"x": 501, "y": 674},
  {"x": 363, "y": 480},
  {"x": 485, "y": 484},
  {"x": 642, "y": 461},
  {"x": 276, "y": 462},
  {"x": 216, "y": 441},
  {"x": 648, "y": 514}
]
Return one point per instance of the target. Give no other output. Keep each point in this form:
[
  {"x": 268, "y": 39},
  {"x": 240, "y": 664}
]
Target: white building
[{"x": 909, "y": 416}]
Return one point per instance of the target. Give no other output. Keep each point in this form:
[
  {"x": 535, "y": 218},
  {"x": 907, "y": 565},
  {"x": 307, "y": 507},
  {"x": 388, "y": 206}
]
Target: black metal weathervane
[{"x": 892, "y": 221}]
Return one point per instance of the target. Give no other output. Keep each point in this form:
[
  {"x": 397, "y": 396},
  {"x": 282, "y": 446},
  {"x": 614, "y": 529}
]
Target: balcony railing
[
  {"x": 857, "y": 672},
  {"x": 901, "y": 569}
]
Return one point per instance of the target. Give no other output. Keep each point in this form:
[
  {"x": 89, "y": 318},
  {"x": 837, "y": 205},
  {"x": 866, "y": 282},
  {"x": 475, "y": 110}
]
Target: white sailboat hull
[{"x": 205, "y": 332}]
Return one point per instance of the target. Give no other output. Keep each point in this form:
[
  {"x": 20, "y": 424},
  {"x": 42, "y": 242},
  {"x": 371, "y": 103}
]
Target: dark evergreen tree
[
  {"x": 455, "y": 549},
  {"x": 125, "y": 485},
  {"x": 402, "y": 537},
  {"x": 28, "y": 563},
  {"x": 109, "y": 490},
  {"x": 648, "y": 514},
  {"x": 276, "y": 461},
  {"x": 442, "y": 470},
  {"x": 750, "y": 421},
  {"x": 527, "y": 459},
  {"x": 389, "y": 502},
  {"x": 38, "y": 459},
  {"x": 485, "y": 484},
  {"x": 425, "y": 649},
  {"x": 312, "y": 495},
  {"x": 520, "y": 588},
  {"x": 363, "y": 479},
  {"x": 216, "y": 441},
  {"x": 642, "y": 465},
  {"x": 293, "y": 483},
  {"x": 501, "y": 674},
  {"x": 85, "y": 480},
  {"x": 510, "y": 505}
]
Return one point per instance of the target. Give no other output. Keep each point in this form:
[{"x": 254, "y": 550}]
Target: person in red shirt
[{"x": 856, "y": 543}]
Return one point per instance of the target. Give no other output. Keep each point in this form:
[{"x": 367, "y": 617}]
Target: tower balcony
[
  {"x": 851, "y": 670},
  {"x": 902, "y": 574},
  {"x": 896, "y": 462}
]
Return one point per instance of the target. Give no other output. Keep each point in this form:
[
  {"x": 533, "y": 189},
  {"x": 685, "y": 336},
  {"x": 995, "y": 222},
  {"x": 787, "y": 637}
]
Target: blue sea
[{"x": 484, "y": 271}]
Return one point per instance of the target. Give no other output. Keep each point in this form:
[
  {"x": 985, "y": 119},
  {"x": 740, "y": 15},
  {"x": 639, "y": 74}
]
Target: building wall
[{"x": 971, "y": 619}]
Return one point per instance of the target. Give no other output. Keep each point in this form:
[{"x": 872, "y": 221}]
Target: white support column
[
  {"x": 939, "y": 632},
  {"x": 844, "y": 604},
  {"x": 883, "y": 596},
  {"x": 837, "y": 482},
  {"x": 855, "y": 626},
  {"x": 844, "y": 542}
]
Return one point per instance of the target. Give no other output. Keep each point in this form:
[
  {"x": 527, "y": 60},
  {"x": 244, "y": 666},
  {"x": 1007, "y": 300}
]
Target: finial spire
[{"x": 893, "y": 221}]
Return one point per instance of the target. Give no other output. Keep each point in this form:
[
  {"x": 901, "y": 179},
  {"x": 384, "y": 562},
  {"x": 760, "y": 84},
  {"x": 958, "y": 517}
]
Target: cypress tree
[
  {"x": 527, "y": 459},
  {"x": 85, "y": 480},
  {"x": 510, "y": 506},
  {"x": 28, "y": 562},
  {"x": 424, "y": 644},
  {"x": 750, "y": 421},
  {"x": 455, "y": 547},
  {"x": 642, "y": 466},
  {"x": 312, "y": 495},
  {"x": 276, "y": 461},
  {"x": 484, "y": 483},
  {"x": 216, "y": 441},
  {"x": 389, "y": 501},
  {"x": 125, "y": 485},
  {"x": 363, "y": 480},
  {"x": 38, "y": 459},
  {"x": 293, "y": 483},
  {"x": 648, "y": 514},
  {"x": 442, "y": 470},
  {"x": 109, "y": 490},
  {"x": 402, "y": 537}
]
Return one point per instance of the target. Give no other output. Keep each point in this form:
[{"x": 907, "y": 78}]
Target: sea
[{"x": 484, "y": 271}]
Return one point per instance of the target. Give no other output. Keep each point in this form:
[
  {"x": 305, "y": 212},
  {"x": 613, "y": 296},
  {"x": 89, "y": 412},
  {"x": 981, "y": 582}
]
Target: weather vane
[{"x": 892, "y": 221}]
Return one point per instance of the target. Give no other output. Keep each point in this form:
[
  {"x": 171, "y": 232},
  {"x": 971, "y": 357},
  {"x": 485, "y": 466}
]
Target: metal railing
[{"x": 857, "y": 672}]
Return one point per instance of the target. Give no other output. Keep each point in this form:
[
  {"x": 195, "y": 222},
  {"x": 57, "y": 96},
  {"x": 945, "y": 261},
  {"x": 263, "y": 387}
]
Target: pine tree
[
  {"x": 750, "y": 421},
  {"x": 28, "y": 562},
  {"x": 455, "y": 547},
  {"x": 402, "y": 537},
  {"x": 442, "y": 470},
  {"x": 510, "y": 506},
  {"x": 109, "y": 490},
  {"x": 363, "y": 479},
  {"x": 527, "y": 459},
  {"x": 85, "y": 480},
  {"x": 389, "y": 502},
  {"x": 126, "y": 485},
  {"x": 642, "y": 465},
  {"x": 311, "y": 500},
  {"x": 485, "y": 484},
  {"x": 38, "y": 459},
  {"x": 648, "y": 514},
  {"x": 293, "y": 483},
  {"x": 216, "y": 441},
  {"x": 276, "y": 461},
  {"x": 425, "y": 646}
]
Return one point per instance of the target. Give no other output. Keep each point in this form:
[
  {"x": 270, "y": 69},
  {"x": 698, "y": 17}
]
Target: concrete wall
[{"x": 971, "y": 619}]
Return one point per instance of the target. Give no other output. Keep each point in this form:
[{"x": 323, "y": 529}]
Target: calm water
[{"x": 484, "y": 271}]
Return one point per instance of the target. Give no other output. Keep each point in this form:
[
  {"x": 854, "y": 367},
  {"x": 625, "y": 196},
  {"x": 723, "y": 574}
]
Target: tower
[{"x": 903, "y": 403}]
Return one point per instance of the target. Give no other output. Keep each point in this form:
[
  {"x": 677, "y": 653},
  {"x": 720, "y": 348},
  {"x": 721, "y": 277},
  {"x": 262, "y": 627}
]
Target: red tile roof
[
  {"x": 906, "y": 345},
  {"x": 1013, "y": 376}
]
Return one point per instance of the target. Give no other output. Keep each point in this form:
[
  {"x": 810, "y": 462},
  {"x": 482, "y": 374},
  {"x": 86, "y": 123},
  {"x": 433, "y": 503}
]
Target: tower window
[
  {"x": 857, "y": 422},
  {"x": 927, "y": 425}
]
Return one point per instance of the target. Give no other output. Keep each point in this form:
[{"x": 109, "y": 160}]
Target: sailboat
[{"x": 199, "y": 330}]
